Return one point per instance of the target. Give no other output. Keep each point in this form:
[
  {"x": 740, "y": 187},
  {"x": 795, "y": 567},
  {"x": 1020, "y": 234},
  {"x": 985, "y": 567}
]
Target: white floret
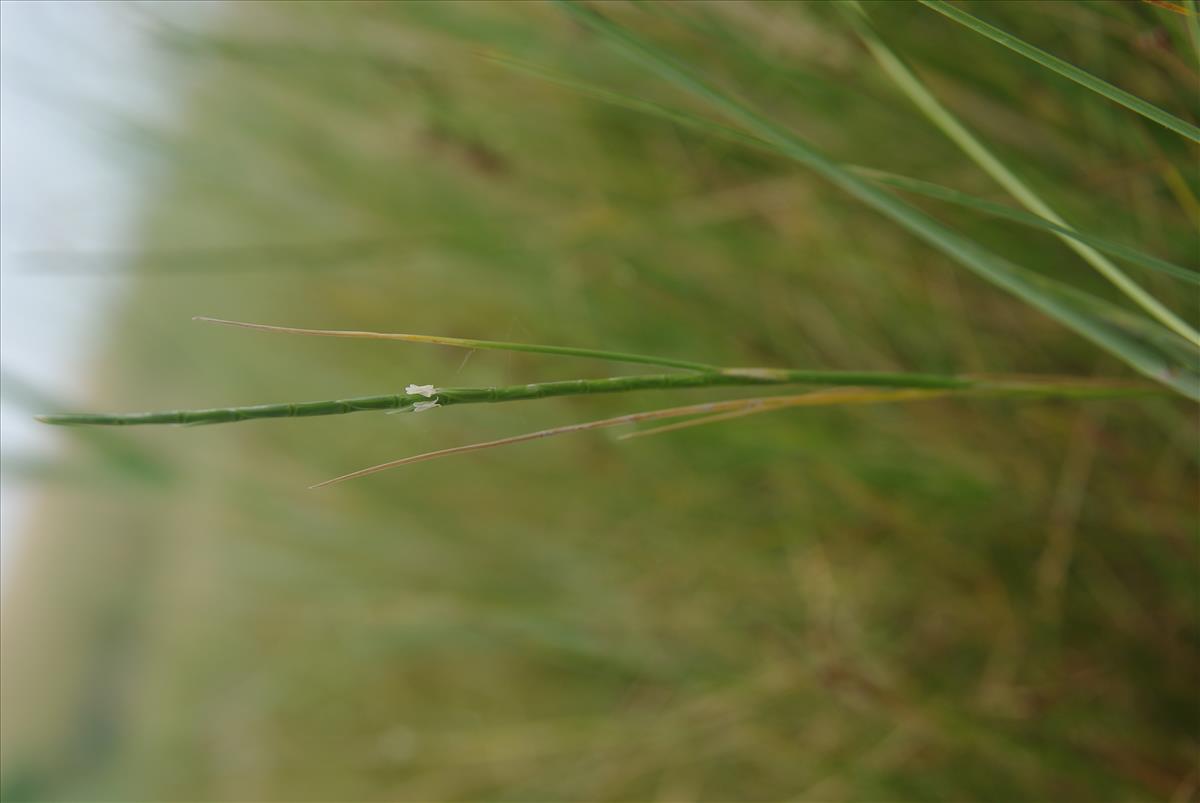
[{"x": 421, "y": 390}]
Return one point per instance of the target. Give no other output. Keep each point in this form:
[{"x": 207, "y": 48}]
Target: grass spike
[{"x": 1034, "y": 387}]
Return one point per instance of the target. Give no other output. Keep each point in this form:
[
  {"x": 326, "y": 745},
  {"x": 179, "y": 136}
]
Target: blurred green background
[{"x": 949, "y": 600}]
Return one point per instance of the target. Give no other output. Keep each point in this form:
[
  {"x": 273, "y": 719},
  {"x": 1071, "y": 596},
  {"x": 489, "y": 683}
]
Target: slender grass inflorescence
[
  {"x": 729, "y": 377},
  {"x": 449, "y": 397},
  {"x": 424, "y": 397}
]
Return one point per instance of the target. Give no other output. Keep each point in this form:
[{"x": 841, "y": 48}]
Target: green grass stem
[{"x": 728, "y": 377}]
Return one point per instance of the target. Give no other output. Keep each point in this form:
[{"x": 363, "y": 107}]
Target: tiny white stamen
[
  {"x": 421, "y": 407},
  {"x": 421, "y": 390}
]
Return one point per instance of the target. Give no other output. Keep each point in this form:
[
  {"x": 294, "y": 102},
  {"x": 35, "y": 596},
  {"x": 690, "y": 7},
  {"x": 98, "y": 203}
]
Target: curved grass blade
[
  {"x": 710, "y": 412},
  {"x": 1066, "y": 69},
  {"x": 652, "y": 108},
  {"x": 770, "y": 404},
  {"x": 929, "y": 189},
  {"x": 1151, "y": 350},
  {"x": 1167, "y": 5},
  {"x": 942, "y": 193},
  {"x": 628, "y": 418},
  {"x": 465, "y": 343},
  {"x": 734, "y": 406},
  {"x": 904, "y": 77},
  {"x": 1193, "y": 25}
]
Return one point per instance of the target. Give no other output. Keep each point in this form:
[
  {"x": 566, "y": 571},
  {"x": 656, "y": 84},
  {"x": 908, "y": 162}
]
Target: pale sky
[{"x": 66, "y": 69}]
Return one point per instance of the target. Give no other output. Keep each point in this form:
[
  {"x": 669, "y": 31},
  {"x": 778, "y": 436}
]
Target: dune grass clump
[{"x": 987, "y": 595}]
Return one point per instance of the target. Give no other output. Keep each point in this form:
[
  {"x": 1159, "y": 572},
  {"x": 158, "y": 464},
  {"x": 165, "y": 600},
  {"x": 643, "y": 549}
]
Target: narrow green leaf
[
  {"x": 911, "y": 85},
  {"x": 1149, "y": 349},
  {"x": 942, "y": 193},
  {"x": 708, "y": 409},
  {"x": 1066, "y": 69},
  {"x": 926, "y": 188},
  {"x": 630, "y": 102},
  {"x": 467, "y": 343},
  {"x": 707, "y": 412},
  {"x": 1193, "y": 26}
]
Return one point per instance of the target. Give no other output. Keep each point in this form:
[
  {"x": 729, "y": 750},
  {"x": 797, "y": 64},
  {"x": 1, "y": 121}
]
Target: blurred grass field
[{"x": 947, "y": 600}]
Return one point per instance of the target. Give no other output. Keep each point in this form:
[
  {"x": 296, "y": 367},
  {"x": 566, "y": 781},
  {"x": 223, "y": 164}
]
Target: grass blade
[
  {"x": 770, "y": 404},
  {"x": 709, "y": 412},
  {"x": 629, "y": 418},
  {"x": 1066, "y": 69},
  {"x": 465, "y": 343},
  {"x": 926, "y": 188},
  {"x": 942, "y": 193},
  {"x": 652, "y": 108},
  {"x": 904, "y": 77},
  {"x": 721, "y": 408},
  {"x": 1193, "y": 26},
  {"x": 1149, "y": 349}
]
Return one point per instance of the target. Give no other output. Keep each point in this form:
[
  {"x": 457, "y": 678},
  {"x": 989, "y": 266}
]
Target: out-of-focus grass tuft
[{"x": 966, "y": 600}]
